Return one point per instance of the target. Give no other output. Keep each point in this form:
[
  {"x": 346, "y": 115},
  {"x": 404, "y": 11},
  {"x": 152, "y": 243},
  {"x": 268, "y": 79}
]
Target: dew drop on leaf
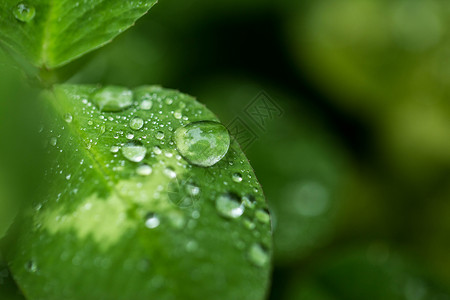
[
  {"x": 202, "y": 143},
  {"x": 113, "y": 98},
  {"x": 258, "y": 255},
  {"x": 134, "y": 151},
  {"x": 24, "y": 12},
  {"x": 68, "y": 118},
  {"x": 169, "y": 172},
  {"x": 159, "y": 135},
  {"x": 263, "y": 216},
  {"x": 31, "y": 266},
  {"x": 144, "y": 170},
  {"x": 237, "y": 177},
  {"x": 229, "y": 206},
  {"x": 192, "y": 189},
  {"x": 177, "y": 115},
  {"x": 114, "y": 149},
  {"x": 136, "y": 123},
  {"x": 53, "y": 141},
  {"x": 146, "y": 105},
  {"x": 152, "y": 220}
]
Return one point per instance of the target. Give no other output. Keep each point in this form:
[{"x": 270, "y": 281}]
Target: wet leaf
[
  {"x": 125, "y": 216},
  {"x": 53, "y": 33}
]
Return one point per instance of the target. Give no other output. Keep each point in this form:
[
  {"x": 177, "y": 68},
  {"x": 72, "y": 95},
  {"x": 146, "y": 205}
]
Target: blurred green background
[{"x": 353, "y": 151}]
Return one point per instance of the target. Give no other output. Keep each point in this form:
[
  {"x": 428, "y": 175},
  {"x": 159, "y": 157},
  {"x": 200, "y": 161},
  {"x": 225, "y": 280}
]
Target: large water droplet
[
  {"x": 134, "y": 151},
  {"x": 229, "y": 206},
  {"x": 258, "y": 255},
  {"x": 151, "y": 221},
  {"x": 113, "y": 98},
  {"x": 136, "y": 123},
  {"x": 24, "y": 12},
  {"x": 202, "y": 143}
]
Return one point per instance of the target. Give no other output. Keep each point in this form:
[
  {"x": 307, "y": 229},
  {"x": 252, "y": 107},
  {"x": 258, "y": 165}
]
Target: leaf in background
[
  {"x": 373, "y": 272},
  {"x": 20, "y": 162},
  {"x": 53, "y": 33},
  {"x": 127, "y": 217}
]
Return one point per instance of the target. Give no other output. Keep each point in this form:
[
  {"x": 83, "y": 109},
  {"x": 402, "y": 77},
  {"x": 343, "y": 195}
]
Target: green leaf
[
  {"x": 52, "y": 33},
  {"x": 126, "y": 216}
]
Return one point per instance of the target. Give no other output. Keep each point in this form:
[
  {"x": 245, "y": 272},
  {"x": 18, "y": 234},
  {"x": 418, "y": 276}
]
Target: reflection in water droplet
[
  {"x": 113, "y": 98},
  {"x": 152, "y": 221},
  {"x": 229, "y": 206},
  {"x": 258, "y": 255},
  {"x": 134, "y": 151},
  {"x": 237, "y": 177},
  {"x": 159, "y": 135},
  {"x": 24, "y": 12},
  {"x": 202, "y": 143},
  {"x": 136, "y": 123},
  {"x": 68, "y": 118},
  {"x": 144, "y": 170}
]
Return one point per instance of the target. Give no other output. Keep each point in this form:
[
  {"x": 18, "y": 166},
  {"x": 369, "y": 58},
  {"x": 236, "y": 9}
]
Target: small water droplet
[
  {"x": 258, "y": 255},
  {"x": 24, "y": 12},
  {"x": 249, "y": 201},
  {"x": 159, "y": 135},
  {"x": 237, "y": 177},
  {"x": 68, "y": 118},
  {"x": 229, "y": 206},
  {"x": 151, "y": 221},
  {"x": 53, "y": 141},
  {"x": 31, "y": 266},
  {"x": 146, "y": 105},
  {"x": 130, "y": 136},
  {"x": 202, "y": 143},
  {"x": 113, "y": 98},
  {"x": 134, "y": 151},
  {"x": 177, "y": 115},
  {"x": 114, "y": 149},
  {"x": 169, "y": 172},
  {"x": 263, "y": 216},
  {"x": 144, "y": 170},
  {"x": 192, "y": 189},
  {"x": 136, "y": 123},
  {"x": 191, "y": 246}
]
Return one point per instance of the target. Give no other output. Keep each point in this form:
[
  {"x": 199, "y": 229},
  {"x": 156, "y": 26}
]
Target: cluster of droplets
[{"x": 145, "y": 134}]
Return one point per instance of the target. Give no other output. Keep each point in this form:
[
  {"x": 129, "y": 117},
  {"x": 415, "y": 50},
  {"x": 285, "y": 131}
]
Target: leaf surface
[
  {"x": 51, "y": 33},
  {"x": 126, "y": 216}
]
